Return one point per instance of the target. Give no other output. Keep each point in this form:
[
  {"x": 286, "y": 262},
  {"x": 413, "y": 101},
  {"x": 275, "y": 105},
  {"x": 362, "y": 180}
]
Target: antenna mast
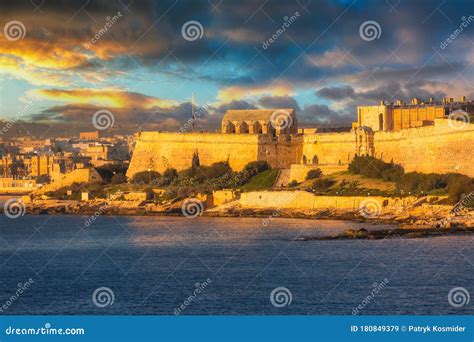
[{"x": 192, "y": 110}]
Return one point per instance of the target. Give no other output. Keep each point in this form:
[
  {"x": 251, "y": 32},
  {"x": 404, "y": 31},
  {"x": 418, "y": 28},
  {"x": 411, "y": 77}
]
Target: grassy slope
[
  {"x": 262, "y": 181},
  {"x": 364, "y": 182}
]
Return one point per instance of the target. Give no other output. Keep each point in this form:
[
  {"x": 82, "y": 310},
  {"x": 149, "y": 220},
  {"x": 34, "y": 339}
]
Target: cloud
[
  {"x": 107, "y": 98},
  {"x": 233, "y": 93},
  {"x": 278, "y": 102}
]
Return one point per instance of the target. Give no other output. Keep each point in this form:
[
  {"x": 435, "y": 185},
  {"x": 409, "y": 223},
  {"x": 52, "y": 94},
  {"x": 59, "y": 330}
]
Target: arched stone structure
[
  {"x": 243, "y": 128},
  {"x": 228, "y": 127},
  {"x": 260, "y": 121},
  {"x": 256, "y": 128}
]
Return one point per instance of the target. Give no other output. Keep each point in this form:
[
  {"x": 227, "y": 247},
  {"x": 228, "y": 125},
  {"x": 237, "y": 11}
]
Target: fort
[{"x": 421, "y": 136}]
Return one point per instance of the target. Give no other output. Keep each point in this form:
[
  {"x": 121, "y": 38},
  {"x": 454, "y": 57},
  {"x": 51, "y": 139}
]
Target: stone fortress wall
[
  {"x": 439, "y": 147},
  {"x": 158, "y": 151}
]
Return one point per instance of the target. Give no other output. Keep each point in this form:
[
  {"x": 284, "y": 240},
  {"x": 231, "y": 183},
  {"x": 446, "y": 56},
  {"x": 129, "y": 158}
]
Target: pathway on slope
[{"x": 283, "y": 178}]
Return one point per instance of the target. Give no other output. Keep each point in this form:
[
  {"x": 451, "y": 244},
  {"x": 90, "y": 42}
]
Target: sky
[{"x": 63, "y": 61}]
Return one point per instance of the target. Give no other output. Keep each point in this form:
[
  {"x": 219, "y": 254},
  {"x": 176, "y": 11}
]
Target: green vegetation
[
  {"x": 43, "y": 179},
  {"x": 256, "y": 167},
  {"x": 196, "y": 179},
  {"x": 293, "y": 183},
  {"x": 313, "y": 174},
  {"x": 261, "y": 181},
  {"x": 146, "y": 177},
  {"x": 205, "y": 179},
  {"x": 95, "y": 190},
  {"x": 323, "y": 184},
  {"x": 108, "y": 171},
  {"x": 376, "y": 168},
  {"x": 414, "y": 183}
]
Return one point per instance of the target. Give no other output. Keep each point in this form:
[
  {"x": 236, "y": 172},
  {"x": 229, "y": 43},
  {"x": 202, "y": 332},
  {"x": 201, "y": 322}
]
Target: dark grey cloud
[{"x": 278, "y": 102}]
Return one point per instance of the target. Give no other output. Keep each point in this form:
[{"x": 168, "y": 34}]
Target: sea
[{"x": 143, "y": 265}]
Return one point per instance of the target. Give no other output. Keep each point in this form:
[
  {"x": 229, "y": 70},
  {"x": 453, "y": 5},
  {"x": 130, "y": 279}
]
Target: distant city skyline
[{"x": 142, "y": 61}]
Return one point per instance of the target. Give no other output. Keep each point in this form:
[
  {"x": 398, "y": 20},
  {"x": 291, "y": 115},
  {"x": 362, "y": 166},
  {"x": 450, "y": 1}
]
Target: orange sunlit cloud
[
  {"x": 108, "y": 97},
  {"x": 239, "y": 92}
]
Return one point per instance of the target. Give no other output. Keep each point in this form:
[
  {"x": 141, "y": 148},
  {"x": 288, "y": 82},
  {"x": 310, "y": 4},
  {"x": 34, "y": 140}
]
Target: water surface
[{"x": 154, "y": 264}]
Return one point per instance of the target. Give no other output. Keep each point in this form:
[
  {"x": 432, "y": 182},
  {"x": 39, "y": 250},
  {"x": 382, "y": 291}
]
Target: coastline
[{"x": 433, "y": 217}]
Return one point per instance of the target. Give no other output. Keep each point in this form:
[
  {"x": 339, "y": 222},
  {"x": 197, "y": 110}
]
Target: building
[
  {"x": 97, "y": 152},
  {"x": 421, "y": 137},
  {"x": 94, "y": 135},
  {"x": 279, "y": 121},
  {"x": 400, "y": 115}
]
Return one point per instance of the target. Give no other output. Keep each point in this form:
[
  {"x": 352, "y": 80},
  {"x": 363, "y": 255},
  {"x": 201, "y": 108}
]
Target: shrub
[
  {"x": 454, "y": 184},
  {"x": 43, "y": 179},
  {"x": 168, "y": 177},
  {"x": 313, "y": 174},
  {"x": 170, "y": 173},
  {"x": 323, "y": 184},
  {"x": 118, "y": 178},
  {"x": 146, "y": 177},
  {"x": 257, "y": 166},
  {"x": 293, "y": 183},
  {"x": 375, "y": 168},
  {"x": 107, "y": 171},
  {"x": 216, "y": 170}
]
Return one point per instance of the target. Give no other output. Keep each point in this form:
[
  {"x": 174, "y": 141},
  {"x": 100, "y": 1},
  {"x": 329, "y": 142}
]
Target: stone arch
[
  {"x": 305, "y": 160},
  {"x": 229, "y": 127},
  {"x": 244, "y": 127},
  {"x": 315, "y": 160},
  {"x": 257, "y": 128},
  {"x": 271, "y": 129}
]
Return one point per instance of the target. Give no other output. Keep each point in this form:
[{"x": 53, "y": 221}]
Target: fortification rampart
[
  {"x": 328, "y": 148},
  {"x": 307, "y": 200},
  {"x": 158, "y": 151},
  {"x": 441, "y": 148}
]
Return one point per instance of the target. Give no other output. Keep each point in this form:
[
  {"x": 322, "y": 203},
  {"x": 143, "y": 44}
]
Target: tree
[
  {"x": 43, "y": 179},
  {"x": 118, "y": 178},
  {"x": 313, "y": 174},
  {"x": 145, "y": 177},
  {"x": 195, "y": 163},
  {"x": 107, "y": 171},
  {"x": 256, "y": 167}
]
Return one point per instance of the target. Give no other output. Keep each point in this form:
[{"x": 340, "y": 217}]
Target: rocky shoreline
[
  {"x": 407, "y": 233},
  {"x": 427, "y": 218}
]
